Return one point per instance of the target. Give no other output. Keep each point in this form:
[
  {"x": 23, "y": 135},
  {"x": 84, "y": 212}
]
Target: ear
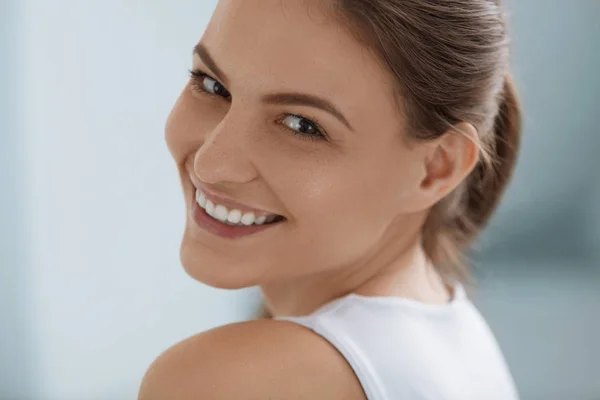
[{"x": 451, "y": 159}]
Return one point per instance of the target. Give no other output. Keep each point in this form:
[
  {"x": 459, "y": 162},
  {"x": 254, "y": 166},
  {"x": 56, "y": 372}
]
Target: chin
[{"x": 217, "y": 270}]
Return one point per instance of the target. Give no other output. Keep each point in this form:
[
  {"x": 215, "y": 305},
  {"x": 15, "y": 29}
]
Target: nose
[{"x": 224, "y": 156}]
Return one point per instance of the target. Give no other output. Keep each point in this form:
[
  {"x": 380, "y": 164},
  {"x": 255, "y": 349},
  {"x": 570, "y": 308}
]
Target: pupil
[{"x": 305, "y": 126}]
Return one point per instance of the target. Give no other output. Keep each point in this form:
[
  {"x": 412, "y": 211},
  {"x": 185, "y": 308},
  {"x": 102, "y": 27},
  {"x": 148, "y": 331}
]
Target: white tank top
[{"x": 401, "y": 349}]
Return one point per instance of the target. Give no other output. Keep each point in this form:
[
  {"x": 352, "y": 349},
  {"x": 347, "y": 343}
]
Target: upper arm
[{"x": 251, "y": 360}]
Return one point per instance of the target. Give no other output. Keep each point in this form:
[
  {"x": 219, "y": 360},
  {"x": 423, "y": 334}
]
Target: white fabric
[{"x": 401, "y": 349}]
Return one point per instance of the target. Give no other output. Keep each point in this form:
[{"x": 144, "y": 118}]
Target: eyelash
[{"x": 197, "y": 85}]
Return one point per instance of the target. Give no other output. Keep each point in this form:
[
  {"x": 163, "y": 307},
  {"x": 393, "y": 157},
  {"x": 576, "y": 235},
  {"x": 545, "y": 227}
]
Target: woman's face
[{"x": 253, "y": 137}]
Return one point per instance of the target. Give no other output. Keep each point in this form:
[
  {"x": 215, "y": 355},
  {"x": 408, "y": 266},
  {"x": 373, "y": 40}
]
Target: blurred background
[{"x": 91, "y": 214}]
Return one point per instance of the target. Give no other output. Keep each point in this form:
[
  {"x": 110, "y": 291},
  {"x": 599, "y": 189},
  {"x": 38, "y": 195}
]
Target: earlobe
[{"x": 452, "y": 159}]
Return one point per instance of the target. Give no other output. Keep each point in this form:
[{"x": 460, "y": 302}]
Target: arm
[{"x": 251, "y": 360}]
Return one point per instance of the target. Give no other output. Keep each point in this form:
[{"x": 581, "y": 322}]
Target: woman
[{"x": 340, "y": 154}]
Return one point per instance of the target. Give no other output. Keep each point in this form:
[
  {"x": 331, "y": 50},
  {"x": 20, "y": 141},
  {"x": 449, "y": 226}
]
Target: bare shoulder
[{"x": 251, "y": 360}]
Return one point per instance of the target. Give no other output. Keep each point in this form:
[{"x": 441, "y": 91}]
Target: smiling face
[{"x": 286, "y": 112}]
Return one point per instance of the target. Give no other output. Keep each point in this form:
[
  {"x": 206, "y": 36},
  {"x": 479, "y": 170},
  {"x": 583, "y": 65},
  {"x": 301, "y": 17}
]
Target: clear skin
[{"x": 355, "y": 201}]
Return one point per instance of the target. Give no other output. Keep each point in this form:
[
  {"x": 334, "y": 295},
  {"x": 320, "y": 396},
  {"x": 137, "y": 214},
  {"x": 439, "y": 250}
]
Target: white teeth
[
  {"x": 248, "y": 218},
  {"x": 210, "y": 208},
  {"x": 233, "y": 217},
  {"x": 221, "y": 213},
  {"x": 200, "y": 199}
]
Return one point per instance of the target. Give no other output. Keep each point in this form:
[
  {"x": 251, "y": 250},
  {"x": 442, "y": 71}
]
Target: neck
[{"x": 396, "y": 270}]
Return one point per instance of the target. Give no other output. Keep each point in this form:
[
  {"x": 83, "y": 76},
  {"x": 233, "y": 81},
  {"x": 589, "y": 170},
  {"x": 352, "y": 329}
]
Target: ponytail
[
  {"x": 489, "y": 181},
  {"x": 454, "y": 222}
]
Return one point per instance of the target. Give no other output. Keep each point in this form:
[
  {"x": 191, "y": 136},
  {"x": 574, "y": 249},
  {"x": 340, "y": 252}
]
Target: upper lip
[{"x": 229, "y": 203}]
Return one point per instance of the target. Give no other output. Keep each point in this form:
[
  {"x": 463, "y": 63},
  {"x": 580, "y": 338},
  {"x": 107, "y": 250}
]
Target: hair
[{"x": 450, "y": 63}]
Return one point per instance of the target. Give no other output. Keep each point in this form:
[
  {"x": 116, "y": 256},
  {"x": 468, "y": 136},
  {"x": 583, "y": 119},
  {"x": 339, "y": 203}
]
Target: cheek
[
  {"x": 360, "y": 188},
  {"x": 345, "y": 207},
  {"x": 340, "y": 212}
]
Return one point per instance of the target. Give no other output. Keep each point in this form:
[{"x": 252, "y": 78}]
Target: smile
[{"x": 234, "y": 217}]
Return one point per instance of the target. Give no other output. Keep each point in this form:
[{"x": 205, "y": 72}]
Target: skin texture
[
  {"x": 354, "y": 202},
  {"x": 241, "y": 361}
]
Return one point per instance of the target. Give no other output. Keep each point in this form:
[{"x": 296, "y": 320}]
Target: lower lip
[{"x": 208, "y": 223}]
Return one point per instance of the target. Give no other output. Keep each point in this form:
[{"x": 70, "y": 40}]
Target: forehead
[{"x": 281, "y": 45}]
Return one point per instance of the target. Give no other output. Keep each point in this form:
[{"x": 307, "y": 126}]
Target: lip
[
  {"x": 209, "y": 224},
  {"x": 229, "y": 203}
]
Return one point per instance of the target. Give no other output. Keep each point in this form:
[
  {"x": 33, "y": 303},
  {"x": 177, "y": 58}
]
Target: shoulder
[{"x": 254, "y": 359}]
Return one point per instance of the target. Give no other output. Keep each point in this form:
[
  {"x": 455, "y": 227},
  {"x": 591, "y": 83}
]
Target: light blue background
[{"x": 91, "y": 214}]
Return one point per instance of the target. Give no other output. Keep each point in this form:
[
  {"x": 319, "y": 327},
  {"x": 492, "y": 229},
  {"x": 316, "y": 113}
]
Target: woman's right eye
[{"x": 203, "y": 83}]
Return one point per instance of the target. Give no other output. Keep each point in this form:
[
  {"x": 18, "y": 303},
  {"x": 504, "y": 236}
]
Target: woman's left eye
[{"x": 305, "y": 128}]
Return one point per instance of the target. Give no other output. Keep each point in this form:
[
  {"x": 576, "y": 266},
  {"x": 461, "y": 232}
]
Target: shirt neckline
[{"x": 458, "y": 296}]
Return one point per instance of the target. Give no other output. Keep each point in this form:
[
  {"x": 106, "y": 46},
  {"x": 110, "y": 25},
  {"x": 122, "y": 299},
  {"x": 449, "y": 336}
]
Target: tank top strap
[{"x": 351, "y": 351}]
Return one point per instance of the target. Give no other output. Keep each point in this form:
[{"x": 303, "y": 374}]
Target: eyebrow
[{"x": 286, "y": 98}]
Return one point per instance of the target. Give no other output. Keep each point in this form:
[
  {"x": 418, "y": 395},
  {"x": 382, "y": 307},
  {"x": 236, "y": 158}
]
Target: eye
[
  {"x": 298, "y": 125},
  {"x": 303, "y": 127},
  {"x": 203, "y": 83}
]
